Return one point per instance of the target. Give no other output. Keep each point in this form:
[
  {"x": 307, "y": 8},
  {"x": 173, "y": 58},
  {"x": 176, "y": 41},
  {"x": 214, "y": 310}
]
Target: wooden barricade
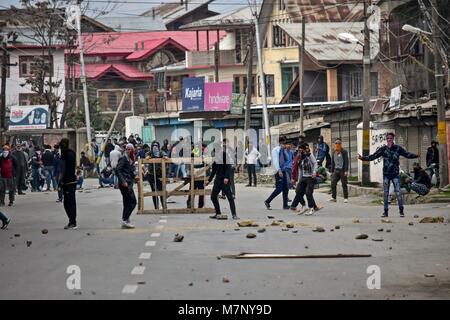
[{"x": 193, "y": 176}]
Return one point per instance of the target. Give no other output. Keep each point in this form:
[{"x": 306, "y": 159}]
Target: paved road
[{"x": 145, "y": 263}]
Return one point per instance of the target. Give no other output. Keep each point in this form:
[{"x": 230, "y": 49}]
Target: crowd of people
[{"x": 27, "y": 166}]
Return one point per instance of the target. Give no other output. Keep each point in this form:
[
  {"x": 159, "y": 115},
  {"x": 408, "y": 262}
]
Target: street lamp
[
  {"x": 350, "y": 38},
  {"x": 409, "y": 28}
]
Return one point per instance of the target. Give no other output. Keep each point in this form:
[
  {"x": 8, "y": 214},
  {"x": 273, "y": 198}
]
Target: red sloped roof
[
  {"x": 150, "y": 46},
  {"x": 125, "y": 71},
  {"x": 124, "y": 43}
]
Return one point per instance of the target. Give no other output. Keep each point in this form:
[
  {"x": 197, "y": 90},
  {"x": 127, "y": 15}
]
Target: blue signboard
[
  {"x": 193, "y": 94},
  {"x": 28, "y": 117}
]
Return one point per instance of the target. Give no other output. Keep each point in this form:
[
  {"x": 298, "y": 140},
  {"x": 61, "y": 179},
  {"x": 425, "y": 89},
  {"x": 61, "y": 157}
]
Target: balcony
[{"x": 206, "y": 58}]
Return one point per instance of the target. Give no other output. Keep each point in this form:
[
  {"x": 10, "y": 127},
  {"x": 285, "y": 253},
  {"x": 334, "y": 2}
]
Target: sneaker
[
  {"x": 58, "y": 200},
  {"x": 214, "y": 216},
  {"x": 384, "y": 215},
  {"x": 248, "y": 185},
  {"x": 402, "y": 214},
  {"x": 5, "y": 224},
  {"x": 235, "y": 218},
  {"x": 286, "y": 208},
  {"x": 301, "y": 210},
  {"x": 332, "y": 200},
  {"x": 345, "y": 200},
  {"x": 127, "y": 225},
  {"x": 310, "y": 212},
  {"x": 71, "y": 226},
  {"x": 267, "y": 205}
]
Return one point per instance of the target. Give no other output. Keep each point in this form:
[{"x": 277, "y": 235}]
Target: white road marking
[
  {"x": 138, "y": 270},
  {"x": 129, "y": 288},
  {"x": 150, "y": 243},
  {"x": 163, "y": 217},
  {"x": 145, "y": 255},
  {"x": 162, "y": 221},
  {"x": 155, "y": 235},
  {"x": 159, "y": 227}
]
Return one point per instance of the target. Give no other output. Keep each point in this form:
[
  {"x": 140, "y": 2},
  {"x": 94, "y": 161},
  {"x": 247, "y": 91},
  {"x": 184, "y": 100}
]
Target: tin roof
[
  {"x": 235, "y": 18},
  {"x": 322, "y": 43},
  {"x": 325, "y": 10}
]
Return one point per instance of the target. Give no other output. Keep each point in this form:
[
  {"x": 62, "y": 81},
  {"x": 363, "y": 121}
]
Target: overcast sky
[{"x": 138, "y": 6}]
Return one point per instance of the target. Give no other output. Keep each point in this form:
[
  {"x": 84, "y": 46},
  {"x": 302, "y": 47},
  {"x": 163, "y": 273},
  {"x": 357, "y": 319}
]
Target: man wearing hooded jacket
[
  {"x": 125, "y": 174},
  {"x": 68, "y": 182}
]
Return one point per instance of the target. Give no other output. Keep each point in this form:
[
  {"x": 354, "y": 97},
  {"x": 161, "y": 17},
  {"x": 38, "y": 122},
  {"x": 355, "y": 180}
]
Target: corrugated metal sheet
[
  {"x": 322, "y": 41},
  {"x": 242, "y": 16},
  {"x": 325, "y": 10},
  {"x": 125, "y": 24}
]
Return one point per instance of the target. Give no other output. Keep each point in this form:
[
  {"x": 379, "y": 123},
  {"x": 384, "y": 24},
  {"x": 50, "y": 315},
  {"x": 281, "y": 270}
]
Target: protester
[
  {"x": 422, "y": 181},
  {"x": 153, "y": 171},
  {"x": 22, "y": 168},
  {"x": 339, "y": 170},
  {"x": 48, "y": 161},
  {"x": 391, "y": 167},
  {"x": 58, "y": 166},
  {"x": 80, "y": 179},
  {"x": 279, "y": 161},
  {"x": 304, "y": 171},
  {"x": 221, "y": 171},
  {"x": 106, "y": 177},
  {"x": 109, "y": 147},
  {"x": 125, "y": 175},
  {"x": 252, "y": 155},
  {"x": 433, "y": 160},
  {"x": 115, "y": 156},
  {"x": 68, "y": 183},
  {"x": 323, "y": 152},
  {"x": 36, "y": 165},
  {"x": 8, "y": 168}
]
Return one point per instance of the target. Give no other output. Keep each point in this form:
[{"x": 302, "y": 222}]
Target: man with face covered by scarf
[
  {"x": 68, "y": 182},
  {"x": 153, "y": 171},
  {"x": 8, "y": 168},
  {"x": 125, "y": 175}
]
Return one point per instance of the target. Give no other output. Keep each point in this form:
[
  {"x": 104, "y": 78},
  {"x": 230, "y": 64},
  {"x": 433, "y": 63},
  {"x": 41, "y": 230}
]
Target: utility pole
[
  {"x": 216, "y": 60},
  {"x": 366, "y": 99},
  {"x": 301, "y": 75},
  {"x": 249, "y": 82},
  {"x": 3, "y": 93},
  {"x": 440, "y": 99},
  {"x": 263, "y": 86}
]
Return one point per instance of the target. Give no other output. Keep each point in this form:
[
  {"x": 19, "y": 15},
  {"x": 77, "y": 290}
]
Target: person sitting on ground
[
  {"x": 106, "y": 177},
  {"x": 80, "y": 179},
  {"x": 321, "y": 174},
  {"x": 422, "y": 182}
]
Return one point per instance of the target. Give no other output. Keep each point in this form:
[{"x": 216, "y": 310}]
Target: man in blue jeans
[
  {"x": 391, "y": 169},
  {"x": 280, "y": 162}
]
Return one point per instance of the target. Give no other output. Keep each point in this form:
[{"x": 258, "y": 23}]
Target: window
[
  {"x": 270, "y": 85},
  {"x": 109, "y": 100},
  {"x": 27, "y": 99},
  {"x": 281, "y": 5},
  {"x": 27, "y": 65},
  {"x": 278, "y": 37},
  {"x": 355, "y": 84},
  {"x": 240, "y": 84},
  {"x": 374, "y": 84}
]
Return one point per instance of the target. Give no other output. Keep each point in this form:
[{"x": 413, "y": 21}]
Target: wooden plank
[
  {"x": 188, "y": 192},
  {"x": 152, "y": 211},
  {"x": 164, "y": 185},
  {"x": 140, "y": 187},
  {"x": 292, "y": 256},
  {"x": 153, "y": 194},
  {"x": 188, "y": 210},
  {"x": 192, "y": 170}
]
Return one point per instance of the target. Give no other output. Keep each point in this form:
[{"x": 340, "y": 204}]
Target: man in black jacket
[
  {"x": 68, "y": 182},
  {"x": 339, "y": 170},
  {"x": 22, "y": 167},
  {"x": 125, "y": 175},
  {"x": 422, "y": 182},
  {"x": 221, "y": 170},
  {"x": 433, "y": 158}
]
